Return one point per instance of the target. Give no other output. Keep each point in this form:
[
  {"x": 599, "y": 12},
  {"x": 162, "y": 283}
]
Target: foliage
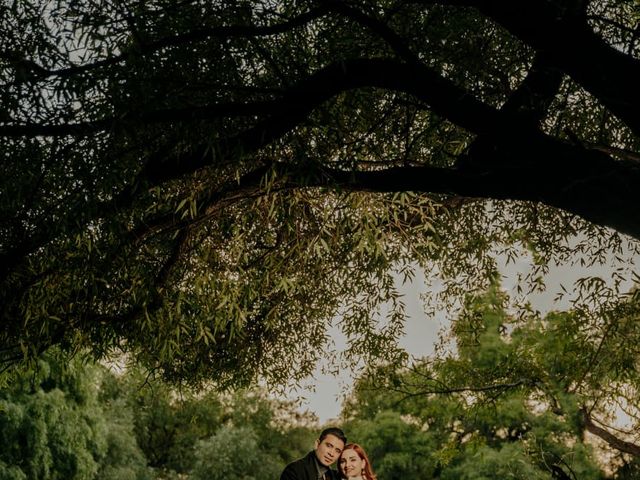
[
  {"x": 82, "y": 421},
  {"x": 515, "y": 398},
  {"x": 170, "y": 423},
  {"x": 53, "y": 426},
  {"x": 205, "y": 186},
  {"x": 509, "y": 402},
  {"x": 233, "y": 453},
  {"x": 167, "y": 424},
  {"x": 398, "y": 448}
]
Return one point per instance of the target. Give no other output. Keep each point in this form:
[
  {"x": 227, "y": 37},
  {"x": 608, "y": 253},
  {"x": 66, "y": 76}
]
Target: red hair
[{"x": 368, "y": 470}]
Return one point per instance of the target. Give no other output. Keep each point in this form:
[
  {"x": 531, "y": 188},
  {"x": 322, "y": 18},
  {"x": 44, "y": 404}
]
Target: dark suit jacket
[{"x": 305, "y": 469}]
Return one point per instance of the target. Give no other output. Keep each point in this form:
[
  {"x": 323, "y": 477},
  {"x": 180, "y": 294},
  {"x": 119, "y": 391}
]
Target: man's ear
[{"x": 317, "y": 443}]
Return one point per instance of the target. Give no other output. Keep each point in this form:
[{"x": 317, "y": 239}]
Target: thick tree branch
[
  {"x": 196, "y": 35},
  {"x": 205, "y": 112},
  {"x": 605, "y": 196},
  {"x": 572, "y": 46},
  {"x": 612, "y": 440}
]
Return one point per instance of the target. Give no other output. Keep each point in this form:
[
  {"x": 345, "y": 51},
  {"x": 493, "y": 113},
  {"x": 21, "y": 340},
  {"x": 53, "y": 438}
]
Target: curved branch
[
  {"x": 604, "y": 194},
  {"x": 444, "y": 98},
  {"x": 612, "y": 440},
  {"x": 523, "y": 166},
  {"x": 205, "y": 112},
  {"x": 572, "y": 46},
  {"x": 221, "y": 32}
]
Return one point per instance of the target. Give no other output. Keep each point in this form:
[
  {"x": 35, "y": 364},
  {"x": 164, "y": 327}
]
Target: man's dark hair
[{"x": 335, "y": 431}]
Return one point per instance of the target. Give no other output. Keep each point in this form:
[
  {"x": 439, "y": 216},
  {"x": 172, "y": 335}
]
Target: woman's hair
[{"x": 368, "y": 471}]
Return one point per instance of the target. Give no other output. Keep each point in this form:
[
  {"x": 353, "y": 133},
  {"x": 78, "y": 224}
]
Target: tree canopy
[
  {"x": 78, "y": 420},
  {"x": 525, "y": 398},
  {"x": 55, "y": 423},
  {"x": 515, "y": 398},
  {"x": 206, "y": 185}
]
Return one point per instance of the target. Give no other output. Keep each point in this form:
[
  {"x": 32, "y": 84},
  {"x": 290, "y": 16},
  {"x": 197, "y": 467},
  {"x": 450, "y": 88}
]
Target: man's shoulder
[{"x": 296, "y": 469}]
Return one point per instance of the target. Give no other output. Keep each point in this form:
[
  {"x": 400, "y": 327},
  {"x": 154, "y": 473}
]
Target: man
[{"x": 317, "y": 464}]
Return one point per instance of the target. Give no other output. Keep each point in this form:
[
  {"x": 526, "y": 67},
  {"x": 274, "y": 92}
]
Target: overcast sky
[{"x": 324, "y": 396}]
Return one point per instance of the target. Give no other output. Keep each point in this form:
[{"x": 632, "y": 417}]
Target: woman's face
[{"x": 351, "y": 465}]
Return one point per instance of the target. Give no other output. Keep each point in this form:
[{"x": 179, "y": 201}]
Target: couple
[{"x": 331, "y": 446}]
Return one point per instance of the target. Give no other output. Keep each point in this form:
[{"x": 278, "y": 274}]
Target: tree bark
[{"x": 612, "y": 440}]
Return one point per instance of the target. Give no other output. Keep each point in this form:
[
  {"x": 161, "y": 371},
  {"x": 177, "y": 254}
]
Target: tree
[
  {"x": 518, "y": 396},
  {"x": 396, "y": 447},
  {"x": 178, "y": 430},
  {"x": 79, "y": 420},
  {"x": 186, "y": 182},
  {"x": 280, "y": 430},
  {"x": 233, "y": 453},
  {"x": 167, "y": 422},
  {"x": 53, "y": 425}
]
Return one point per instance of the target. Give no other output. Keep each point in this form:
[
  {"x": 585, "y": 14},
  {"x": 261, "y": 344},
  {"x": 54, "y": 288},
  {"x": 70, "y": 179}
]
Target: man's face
[{"x": 328, "y": 449}]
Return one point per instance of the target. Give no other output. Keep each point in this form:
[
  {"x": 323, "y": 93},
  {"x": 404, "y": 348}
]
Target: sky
[
  {"x": 420, "y": 336},
  {"x": 323, "y": 394}
]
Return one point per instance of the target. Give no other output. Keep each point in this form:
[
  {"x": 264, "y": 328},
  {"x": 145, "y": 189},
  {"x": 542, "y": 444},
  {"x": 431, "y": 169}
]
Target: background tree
[
  {"x": 514, "y": 397},
  {"x": 54, "y": 426},
  {"x": 82, "y": 421},
  {"x": 167, "y": 423},
  {"x": 179, "y": 430},
  {"x": 233, "y": 453},
  {"x": 397, "y": 446}
]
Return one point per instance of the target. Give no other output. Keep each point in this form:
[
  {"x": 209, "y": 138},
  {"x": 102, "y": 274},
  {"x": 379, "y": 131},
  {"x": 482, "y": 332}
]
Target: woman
[{"x": 354, "y": 464}]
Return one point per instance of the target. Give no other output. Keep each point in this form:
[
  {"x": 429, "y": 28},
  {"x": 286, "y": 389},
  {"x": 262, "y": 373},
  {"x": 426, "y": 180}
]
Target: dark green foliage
[
  {"x": 80, "y": 421},
  {"x": 54, "y": 426},
  {"x": 233, "y": 453},
  {"x": 207, "y": 185},
  {"x": 514, "y": 398},
  {"x": 396, "y": 445}
]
